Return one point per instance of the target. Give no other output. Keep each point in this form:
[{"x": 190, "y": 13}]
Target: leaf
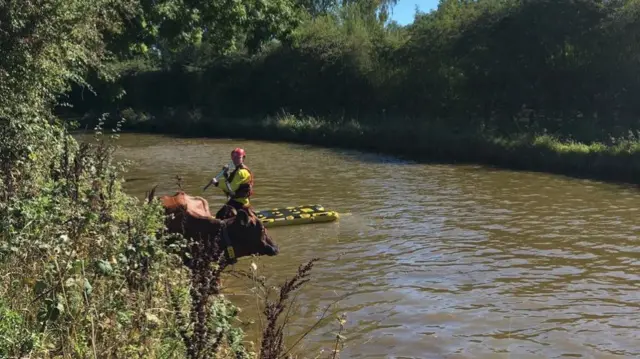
[
  {"x": 104, "y": 267},
  {"x": 70, "y": 282},
  {"x": 77, "y": 266},
  {"x": 152, "y": 318},
  {"x": 50, "y": 311},
  {"x": 88, "y": 289},
  {"x": 59, "y": 307},
  {"x": 43, "y": 314},
  {"x": 40, "y": 287}
]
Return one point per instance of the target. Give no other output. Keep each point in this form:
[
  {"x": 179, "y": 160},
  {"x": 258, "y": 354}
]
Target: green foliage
[
  {"x": 15, "y": 337},
  {"x": 570, "y": 67},
  {"x": 89, "y": 262},
  {"x": 170, "y": 30},
  {"x": 85, "y": 272},
  {"x": 86, "y": 269},
  {"x": 323, "y": 7},
  {"x": 46, "y": 46},
  {"x": 349, "y": 45}
]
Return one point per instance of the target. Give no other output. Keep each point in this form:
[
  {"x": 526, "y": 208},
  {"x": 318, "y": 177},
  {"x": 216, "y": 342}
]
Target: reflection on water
[{"x": 434, "y": 261}]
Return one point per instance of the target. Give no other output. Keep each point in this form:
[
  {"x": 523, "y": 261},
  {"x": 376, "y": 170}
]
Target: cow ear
[{"x": 243, "y": 218}]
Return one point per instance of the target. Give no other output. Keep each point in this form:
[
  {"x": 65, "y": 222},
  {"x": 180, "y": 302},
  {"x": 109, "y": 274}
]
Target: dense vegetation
[
  {"x": 495, "y": 71},
  {"x": 510, "y": 82},
  {"x": 86, "y": 270}
]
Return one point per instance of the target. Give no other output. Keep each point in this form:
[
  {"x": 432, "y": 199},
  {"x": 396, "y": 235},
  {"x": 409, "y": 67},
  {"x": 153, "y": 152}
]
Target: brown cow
[{"x": 239, "y": 236}]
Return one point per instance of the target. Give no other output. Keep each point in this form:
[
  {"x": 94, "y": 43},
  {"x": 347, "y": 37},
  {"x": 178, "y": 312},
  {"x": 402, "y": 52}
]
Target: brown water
[{"x": 437, "y": 261}]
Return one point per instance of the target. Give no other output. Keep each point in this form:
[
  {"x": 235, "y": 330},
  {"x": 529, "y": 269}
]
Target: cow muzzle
[{"x": 271, "y": 250}]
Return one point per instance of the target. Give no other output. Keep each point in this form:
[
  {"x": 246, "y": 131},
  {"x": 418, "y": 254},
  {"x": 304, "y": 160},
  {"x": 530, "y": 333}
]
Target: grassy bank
[{"x": 616, "y": 161}]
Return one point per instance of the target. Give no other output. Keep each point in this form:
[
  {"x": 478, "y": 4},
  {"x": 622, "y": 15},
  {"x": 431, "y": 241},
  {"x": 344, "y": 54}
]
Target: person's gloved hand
[{"x": 225, "y": 171}]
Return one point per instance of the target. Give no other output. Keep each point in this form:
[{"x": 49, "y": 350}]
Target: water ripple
[{"x": 437, "y": 261}]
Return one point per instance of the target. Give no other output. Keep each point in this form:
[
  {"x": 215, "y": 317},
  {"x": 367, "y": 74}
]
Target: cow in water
[{"x": 238, "y": 236}]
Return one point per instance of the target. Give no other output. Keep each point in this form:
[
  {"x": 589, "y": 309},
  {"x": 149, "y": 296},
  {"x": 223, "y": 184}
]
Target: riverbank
[{"x": 422, "y": 142}]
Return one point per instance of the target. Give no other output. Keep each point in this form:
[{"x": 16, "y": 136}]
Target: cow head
[{"x": 248, "y": 236}]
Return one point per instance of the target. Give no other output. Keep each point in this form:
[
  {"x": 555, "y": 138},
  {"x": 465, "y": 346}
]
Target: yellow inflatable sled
[{"x": 287, "y": 216}]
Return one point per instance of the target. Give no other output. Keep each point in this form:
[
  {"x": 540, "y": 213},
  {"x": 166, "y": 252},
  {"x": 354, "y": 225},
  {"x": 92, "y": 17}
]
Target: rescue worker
[{"x": 237, "y": 185}]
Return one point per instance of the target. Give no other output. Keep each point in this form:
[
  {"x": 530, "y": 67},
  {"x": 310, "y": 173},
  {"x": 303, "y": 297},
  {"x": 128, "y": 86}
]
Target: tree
[
  {"x": 172, "y": 26},
  {"x": 46, "y": 45},
  {"x": 319, "y": 7}
]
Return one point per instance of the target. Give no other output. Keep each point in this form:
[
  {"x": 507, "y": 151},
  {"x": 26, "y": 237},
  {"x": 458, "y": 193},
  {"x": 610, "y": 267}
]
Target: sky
[{"x": 404, "y": 10}]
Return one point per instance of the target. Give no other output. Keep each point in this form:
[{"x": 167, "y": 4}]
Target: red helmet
[{"x": 238, "y": 151}]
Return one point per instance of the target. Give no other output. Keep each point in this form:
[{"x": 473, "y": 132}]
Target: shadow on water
[
  {"x": 581, "y": 177},
  {"x": 369, "y": 155},
  {"x": 516, "y": 166},
  {"x": 365, "y": 154}
]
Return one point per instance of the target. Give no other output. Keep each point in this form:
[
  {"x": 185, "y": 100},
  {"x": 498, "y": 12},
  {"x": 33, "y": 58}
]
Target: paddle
[{"x": 226, "y": 167}]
